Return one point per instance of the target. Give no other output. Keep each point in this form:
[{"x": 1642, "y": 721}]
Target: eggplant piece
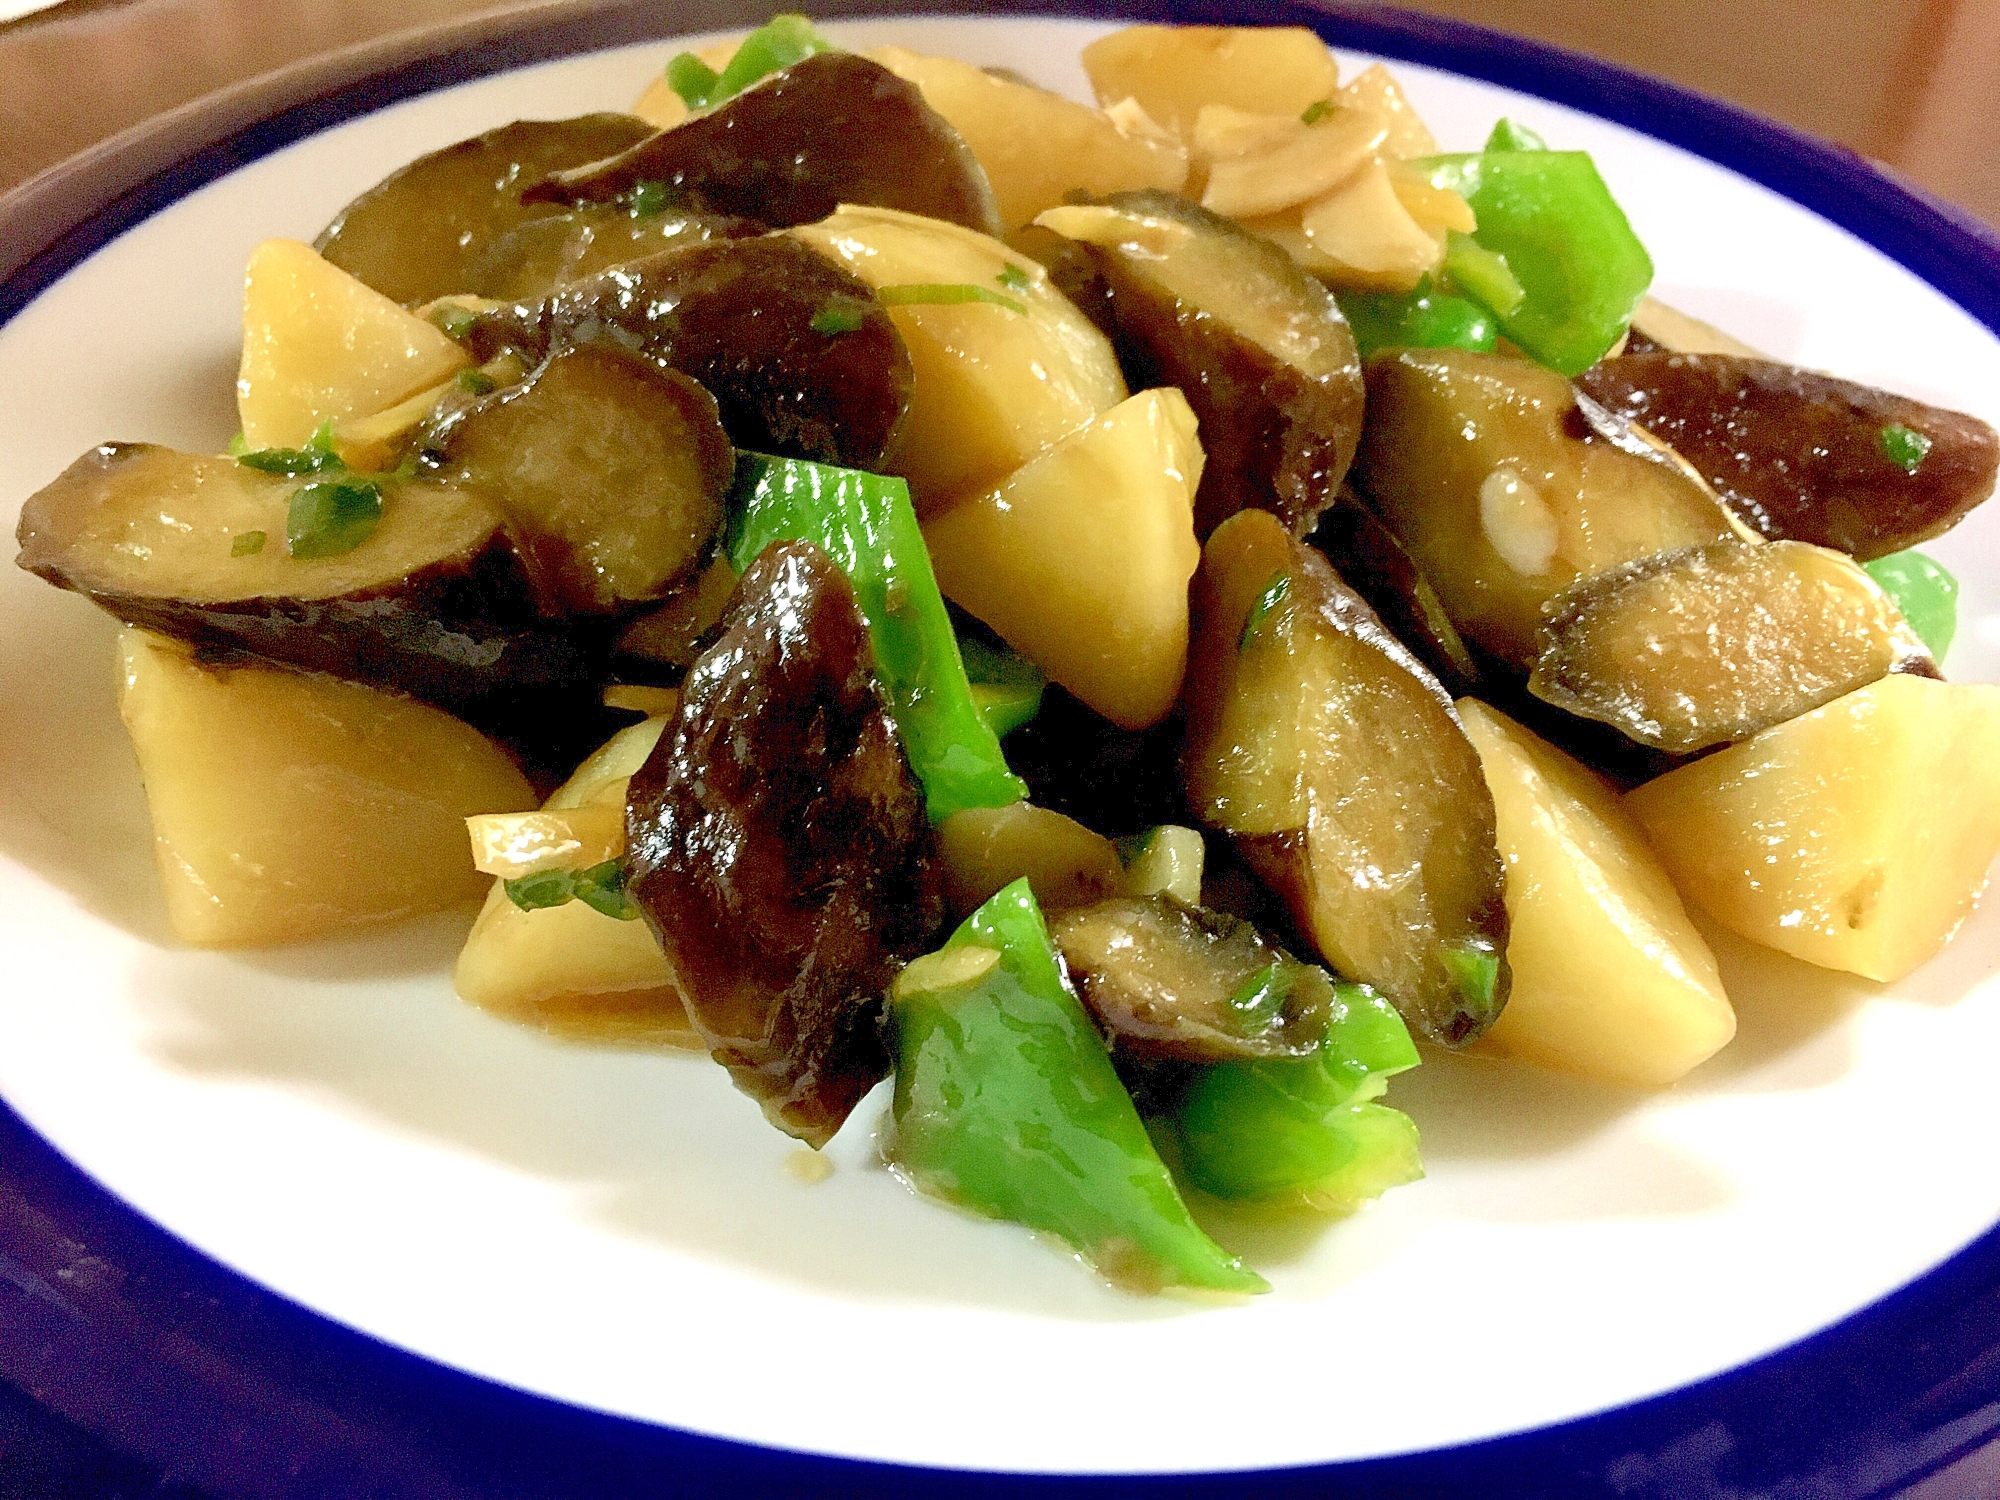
[
  {"x": 779, "y": 846},
  {"x": 1707, "y": 645},
  {"x": 434, "y": 603},
  {"x": 533, "y": 259},
  {"x": 1339, "y": 767},
  {"x": 674, "y": 634},
  {"x": 1368, "y": 558},
  {"x": 1172, "y": 981},
  {"x": 1260, "y": 349},
  {"x": 611, "y": 474},
  {"x": 1804, "y": 456},
  {"x": 1504, "y": 492},
  {"x": 834, "y": 128},
  {"x": 738, "y": 317},
  {"x": 421, "y": 232}
]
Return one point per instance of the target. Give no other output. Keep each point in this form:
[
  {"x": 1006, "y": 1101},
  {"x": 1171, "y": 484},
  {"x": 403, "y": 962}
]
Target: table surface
[{"x": 1905, "y": 81}]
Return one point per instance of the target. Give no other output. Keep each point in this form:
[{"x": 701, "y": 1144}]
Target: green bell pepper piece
[
  {"x": 1568, "y": 244},
  {"x": 1305, "y": 1130},
  {"x": 1484, "y": 274},
  {"x": 865, "y": 524},
  {"x": 772, "y": 47},
  {"x": 1006, "y": 1103},
  {"x": 1424, "y": 319},
  {"x": 1511, "y": 135},
  {"x": 1925, "y": 593},
  {"x": 1006, "y": 685}
]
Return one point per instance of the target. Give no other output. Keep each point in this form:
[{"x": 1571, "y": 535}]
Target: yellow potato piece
[
  {"x": 1036, "y": 146},
  {"x": 1611, "y": 980},
  {"x": 318, "y": 345},
  {"x": 987, "y": 848},
  {"x": 1174, "y": 70},
  {"x": 1362, "y": 235},
  {"x": 1081, "y": 559},
  {"x": 1291, "y": 163},
  {"x": 570, "y": 969},
  {"x": 992, "y": 388},
  {"x": 660, "y": 107},
  {"x": 288, "y": 805},
  {"x": 1855, "y": 837},
  {"x": 1376, "y": 91},
  {"x": 513, "y": 845}
]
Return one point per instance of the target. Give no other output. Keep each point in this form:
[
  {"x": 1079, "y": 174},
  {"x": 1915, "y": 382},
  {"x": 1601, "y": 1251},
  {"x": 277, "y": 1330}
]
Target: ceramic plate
[{"x": 619, "y": 1233}]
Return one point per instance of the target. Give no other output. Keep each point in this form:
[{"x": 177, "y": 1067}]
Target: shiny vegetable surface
[
  {"x": 1926, "y": 594},
  {"x": 833, "y": 128},
  {"x": 1802, "y": 455},
  {"x": 1502, "y": 492},
  {"x": 1704, "y": 645},
  {"x": 1339, "y": 766},
  {"x": 864, "y": 523},
  {"x": 1006, "y": 1103},
  {"x": 422, "y": 232},
  {"x": 1166, "y": 979},
  {"x": 778, "y": 845},
  {"x": 611, "y": 474},
  {"x": 1260, "y": 350},
  {"x": 738, "y": 316},
  {"x": 1306, "y": 1130},
  {"x": 1565, "y": 241},
  {"x": 535, "y": 258}
]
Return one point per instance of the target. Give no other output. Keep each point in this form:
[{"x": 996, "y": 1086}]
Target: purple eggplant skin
[
  {"x": 422, "y": 232},
  {"x": 1801, "y": 456},
  {"x": 778, "y": 844},
  {"x": 447, "y": 617},
  {"x": 835, "y": 128},
  {"x": 738, "y": 317}
]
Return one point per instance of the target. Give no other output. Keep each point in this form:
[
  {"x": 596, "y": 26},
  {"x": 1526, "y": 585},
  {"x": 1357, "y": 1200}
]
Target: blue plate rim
[{"x": 121, "y": 1327}]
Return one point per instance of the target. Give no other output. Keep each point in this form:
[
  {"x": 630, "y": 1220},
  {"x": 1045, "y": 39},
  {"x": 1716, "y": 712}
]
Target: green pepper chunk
[
  {"x": 771, "y": 48},
  {"x": 1306, "y": 1130},
  {"x": 1006, "y": 1103},
  {"x": 865, "y": 524},
  {"x": 1925, "y": 593},
  {"x": 1006, "y": 685},
  {"x": 1424, "y": 319},
  {"x": 1512, "y": 135},
  {"x": 1580, "y": 267}
]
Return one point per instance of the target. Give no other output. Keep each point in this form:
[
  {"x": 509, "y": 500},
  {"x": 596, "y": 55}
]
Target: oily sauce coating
[
  {"x": 1802, "y": 456},
  {"x": 779, "y": 847}
]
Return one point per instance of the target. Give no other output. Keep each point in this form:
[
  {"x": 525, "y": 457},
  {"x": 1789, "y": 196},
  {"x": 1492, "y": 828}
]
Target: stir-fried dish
[{"x": 1131, "y": 621}]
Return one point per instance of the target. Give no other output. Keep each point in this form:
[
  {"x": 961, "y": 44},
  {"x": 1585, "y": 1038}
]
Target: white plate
[{"x": 621, "y": 1231}]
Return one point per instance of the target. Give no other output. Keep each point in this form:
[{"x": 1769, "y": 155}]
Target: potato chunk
[
  {"x": 991, "y": 387},
  {"x": 289, "y": 806},
  {"x": 1081, "y": 559},
  {"x": 571, "y": 969},
  {"x": 1174, "y": 70},
  {"x": 1036, "y": 146},
  {"x": 1856, "y": 837},
  {"x": 1610, "y": 978},
  {"x": 318, "y": 344}
]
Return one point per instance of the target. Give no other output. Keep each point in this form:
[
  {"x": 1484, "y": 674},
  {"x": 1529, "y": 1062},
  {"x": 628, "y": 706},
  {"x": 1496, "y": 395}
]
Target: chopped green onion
[
  {"x": 237, "y": 446},
  {"x": 691, "y": 78},
  {"x": 1476, "y": 970},
  {"x": 247, "y": 544},
  {"x": 319, "y": 456},
  {"x": 1014, "y": 278},
  {"x": 1258, "y": 999},
  {"x": 1316, "y": 111},
  {"x": 841, "y": 314},
  {"x": 332, "y": 516},
  {"x": 601, "y": 888},
  {"x": 1905, "y": 447},
  {"x": 1511, "y": 135},
  {"x": 1273, "y": 594},
  {"x": 1483, "y": 273},
  {"x": 646, "y": 200},
  {"x": 453, "y": 321},
  {"x": 945, "y": 294},
  {"x": 1925, "y": 593},
  {"x": 1006, "y": 686},
  {"x": 475, "y": 382}
]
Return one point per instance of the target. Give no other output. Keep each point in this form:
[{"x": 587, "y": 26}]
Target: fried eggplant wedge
[
  {"x": 1260, "y": 349},
  {"x": 423, "y": 231},
  {"x": 779, "y": 846},
  {"x": 747, "y": 319},
  {"x": 1804, "y": 456},
  {"x": 832, "y": 129},
  {"x": 1342, "y": 772},
  {"x": 1707, "y": 645}
]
